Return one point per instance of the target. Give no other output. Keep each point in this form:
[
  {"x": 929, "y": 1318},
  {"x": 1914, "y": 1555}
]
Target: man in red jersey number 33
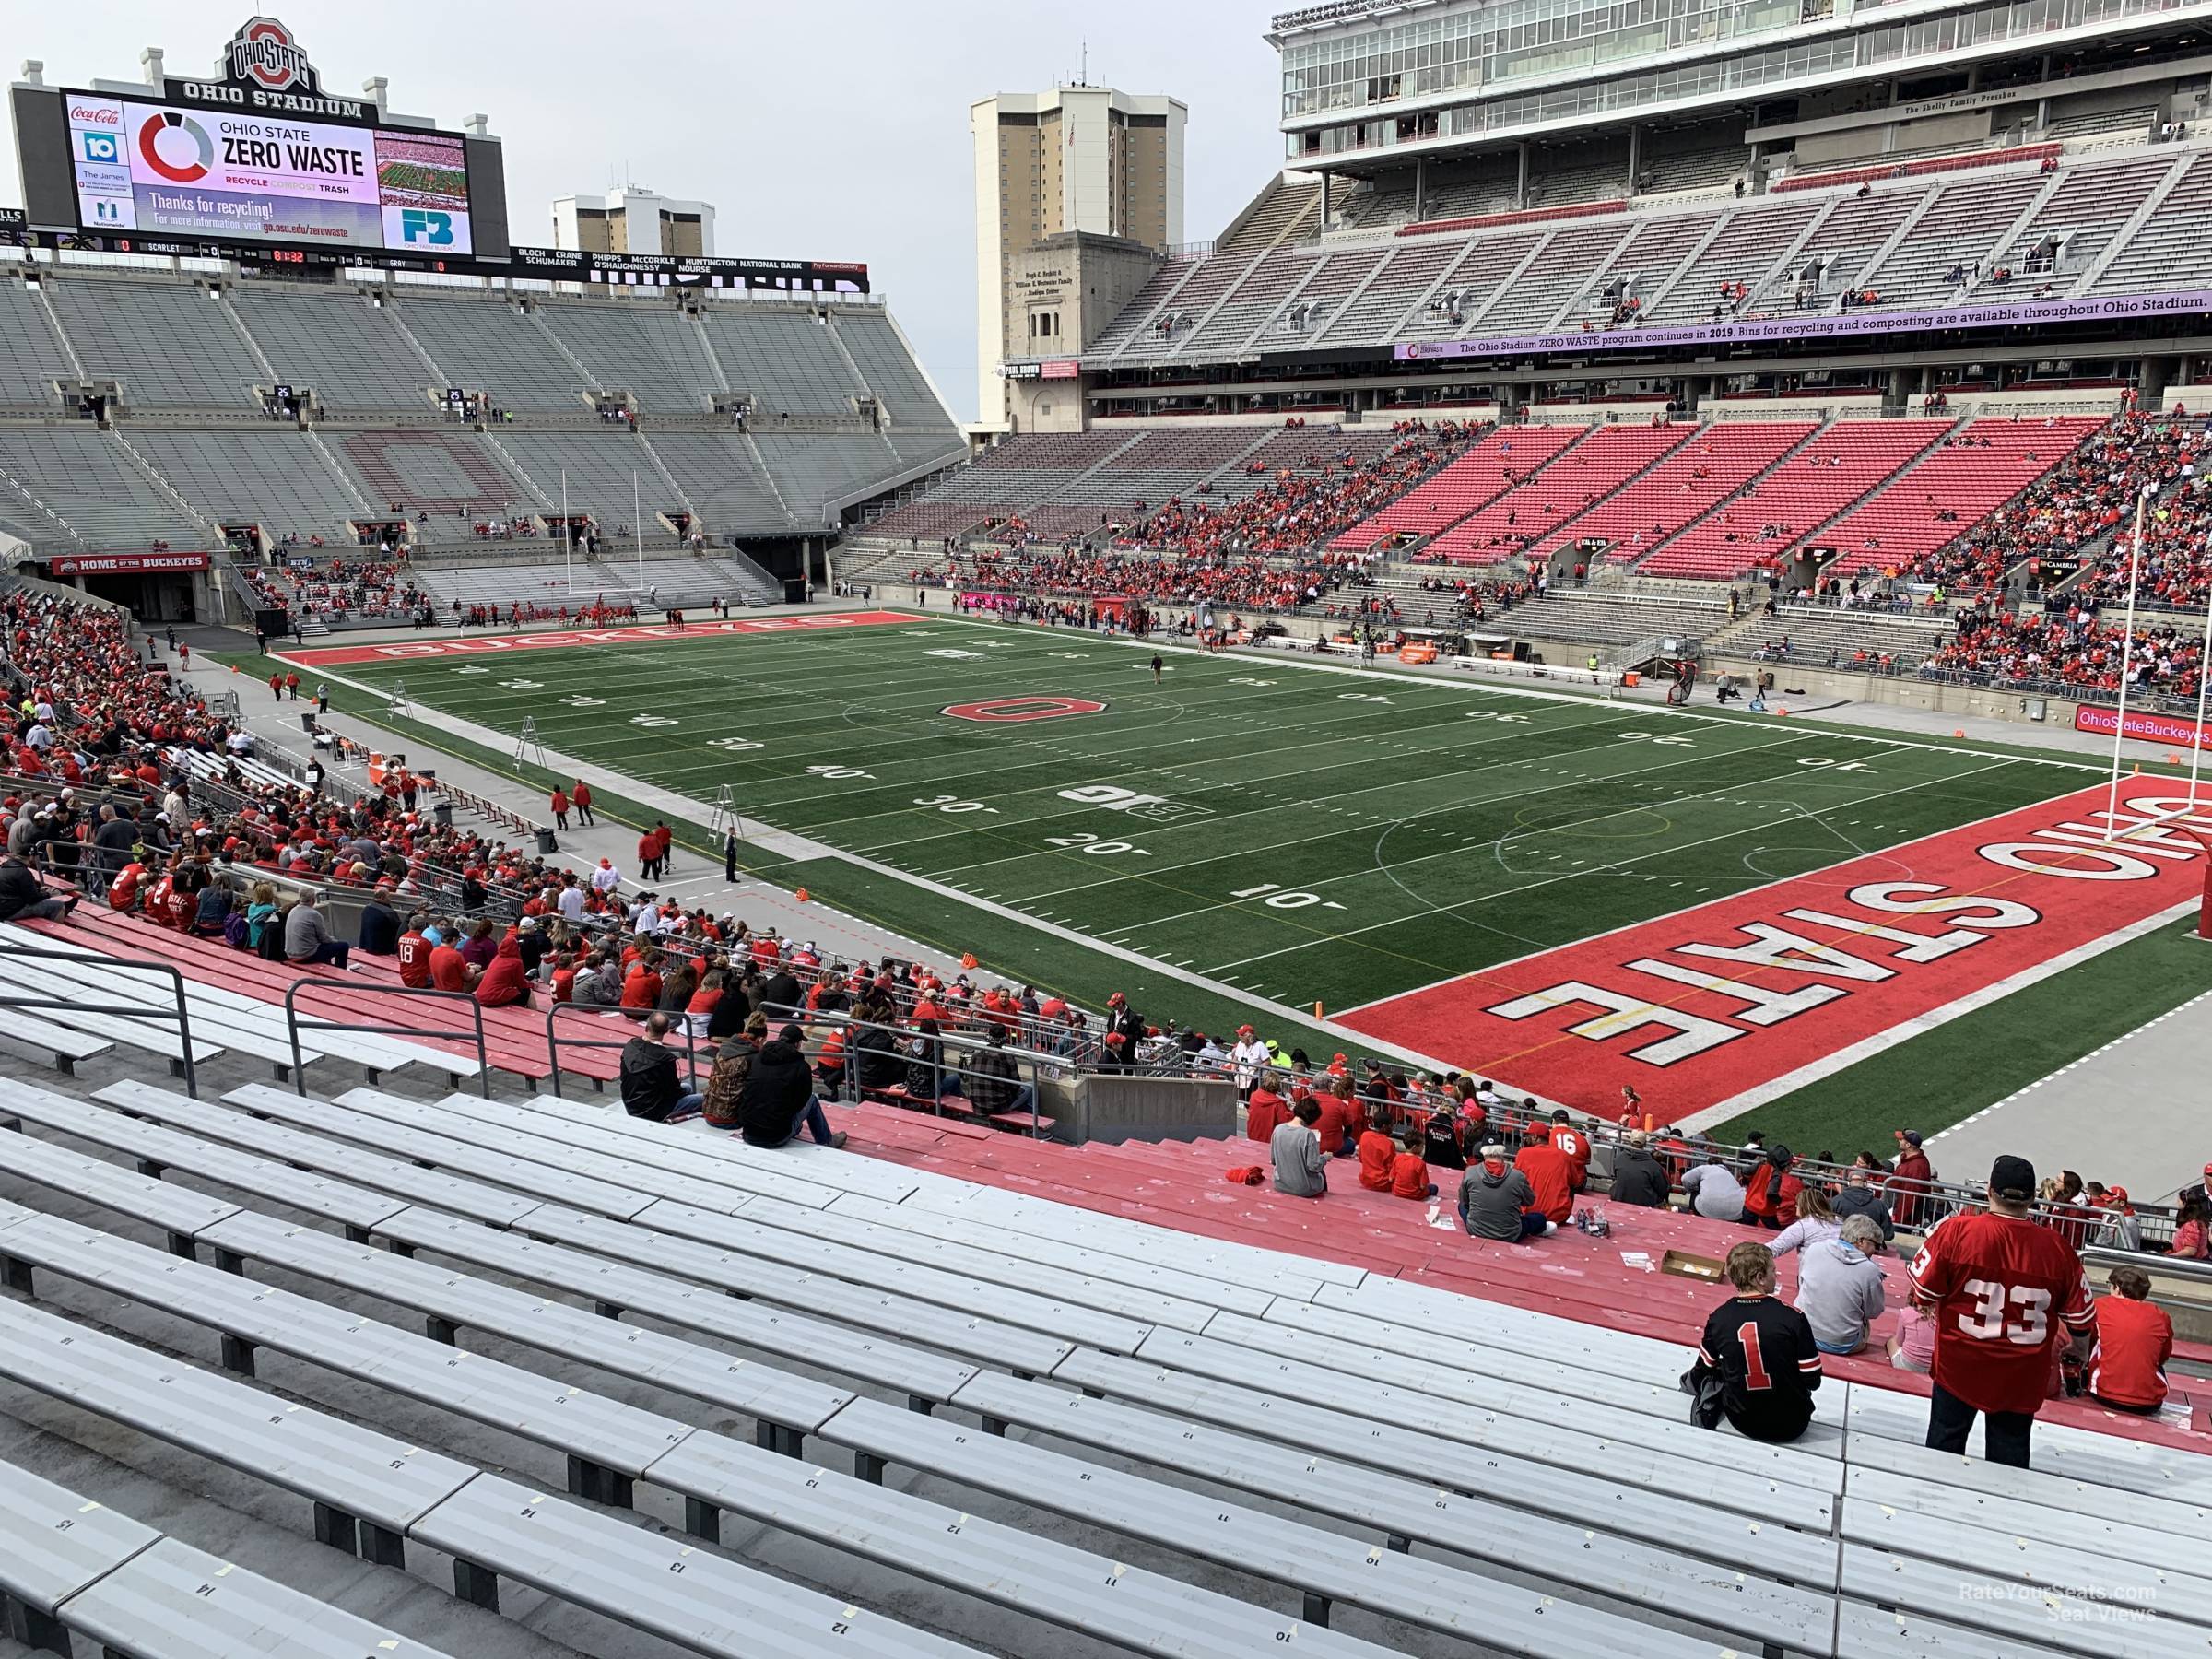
[{"x": 2000, "y": 1289}]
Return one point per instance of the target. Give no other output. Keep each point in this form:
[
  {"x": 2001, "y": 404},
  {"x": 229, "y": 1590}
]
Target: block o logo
[{"x": 1002, "y": 710}]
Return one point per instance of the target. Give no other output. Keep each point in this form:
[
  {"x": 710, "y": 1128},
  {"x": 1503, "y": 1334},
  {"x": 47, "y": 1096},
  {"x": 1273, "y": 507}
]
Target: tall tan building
[{"x": 1085, "y": 159}]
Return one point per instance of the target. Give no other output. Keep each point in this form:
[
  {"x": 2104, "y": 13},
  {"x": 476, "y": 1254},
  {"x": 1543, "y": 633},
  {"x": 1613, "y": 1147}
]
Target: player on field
[
  {"x": 1999, "y": 1286},
  {"x": 1156, "y": 666},
  {"x": 1761, "y": 1351}
]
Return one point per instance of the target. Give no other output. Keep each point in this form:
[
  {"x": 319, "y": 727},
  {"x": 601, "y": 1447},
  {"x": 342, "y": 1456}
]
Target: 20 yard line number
[{"x": 1276, "y": 896}]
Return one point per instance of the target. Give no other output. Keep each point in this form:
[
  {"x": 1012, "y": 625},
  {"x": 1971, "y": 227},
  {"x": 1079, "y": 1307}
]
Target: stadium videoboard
[{"x": 183, "y": 171}]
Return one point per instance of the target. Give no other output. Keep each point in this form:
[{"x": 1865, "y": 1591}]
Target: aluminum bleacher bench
[
  {"x": 156, "y": 1149},
  {"x": 607, "y": 1444},
  {"x": 959, "y": 1318},
  {"x": 2161, "y": 1536},
  {"x": 508, "y": 1169},
  {"x": 392, "y": 1492},
  {"x": 1086, "y": 1593},
  {"x": 962, "y": 1314},
  {"x": 778, "y": 1251},
  {"x": 1404, "y": 1389},
  {"x": 1549, "y": 1488},
  {"x": 496, "y": 1529},
  {"x": 1780, "y": 1483},
  {"x": 2106, "y": 1462},
  {"x": 533, "y": 1135},
  {"x": 179, "y": 1212},
  {"x": 63, "y": 1045},
  {"x": 863, "y": 1352},
  {"x": 2058, "y": 1599},
  {"x": 785, "y": 1406},
  {"x": 802, "y": 1159},
  {"x": 30, "y": 977},
  {"x": 175, "y": 1602},
  {"x": 927, "y": 1379},
  {"x": 1327, "y": 1567},
  {"x": 54, "y": 1543},
  {"x": 1650, "y": 1550},
  {"x": 366, "y": 1487},
  {"x": 849, "y": 1177},
  {"x": 285, "y": 1145},
  {"x": 71, "y": 1566},
  {"x": 74, "y": 1567},
  {"x": 1297, "y": 1276},
  {"x": 912, "y": 1219},
  {"x": 608, "y": 1130}
]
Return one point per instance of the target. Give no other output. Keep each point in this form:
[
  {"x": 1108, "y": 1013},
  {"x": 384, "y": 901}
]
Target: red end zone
[
  {"x": 400, "y": 651},
  {"x": 1755, "y": 993}
]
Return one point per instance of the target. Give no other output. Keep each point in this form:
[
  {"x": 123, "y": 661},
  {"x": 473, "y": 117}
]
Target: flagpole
[
  {"x": 2196, "y": 743},
  {"x": 568, "y": 542},
  {"x": 2127, "y": 652},
  {"x": 637, "y": 526}
]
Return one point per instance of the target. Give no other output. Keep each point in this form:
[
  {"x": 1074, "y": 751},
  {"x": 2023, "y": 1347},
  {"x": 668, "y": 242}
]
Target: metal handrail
[
  {"x": 181, "y": 1016},
  {"x": 294, "y": 1025},
  {"x": 1933, "y": 1200},
  {"x": 679, "y": 1025}
]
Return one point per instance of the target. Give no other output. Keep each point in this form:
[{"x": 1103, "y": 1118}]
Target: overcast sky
[{"x": 823, "y": 132}]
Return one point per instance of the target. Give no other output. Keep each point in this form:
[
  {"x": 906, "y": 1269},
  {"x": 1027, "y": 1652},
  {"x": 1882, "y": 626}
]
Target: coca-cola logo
[{"x": 96, "y": 114}]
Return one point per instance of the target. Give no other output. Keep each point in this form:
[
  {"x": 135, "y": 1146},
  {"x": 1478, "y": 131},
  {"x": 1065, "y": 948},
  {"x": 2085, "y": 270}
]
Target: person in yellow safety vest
[{"x": 1594, "y": 662}]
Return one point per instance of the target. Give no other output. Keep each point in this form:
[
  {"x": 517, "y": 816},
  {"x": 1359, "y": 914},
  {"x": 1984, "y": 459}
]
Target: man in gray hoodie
[
  {"x": 1839, "y": 1287},
  {"x": 1496, "y": 1201}
]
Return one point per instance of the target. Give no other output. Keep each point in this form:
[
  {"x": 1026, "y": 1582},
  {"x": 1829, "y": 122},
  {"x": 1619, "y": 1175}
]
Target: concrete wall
[{"x": 1103, "y": 1108}]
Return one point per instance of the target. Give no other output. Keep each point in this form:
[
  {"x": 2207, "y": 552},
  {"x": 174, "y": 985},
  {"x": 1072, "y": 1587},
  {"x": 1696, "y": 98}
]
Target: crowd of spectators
[
  {"x": 2089, "y": 497},
  {"x": 338, "y": 592},
  {"x": 2071, "y": 651}
]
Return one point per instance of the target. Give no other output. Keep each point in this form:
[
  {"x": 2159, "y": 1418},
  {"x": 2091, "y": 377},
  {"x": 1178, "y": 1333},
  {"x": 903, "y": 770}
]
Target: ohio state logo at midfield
[
  {"x": 1000, "y": 710},
  {"x": 264, "y": 53}
]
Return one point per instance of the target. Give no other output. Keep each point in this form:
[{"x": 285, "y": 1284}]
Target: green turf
[
  {"x": 1944, "y": 1075},
  {"x": 1310, "y": 838}
]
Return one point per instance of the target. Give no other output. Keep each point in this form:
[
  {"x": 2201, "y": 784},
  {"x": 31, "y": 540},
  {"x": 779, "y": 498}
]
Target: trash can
[
  {"x": 307, "y": 721},
  {"x": 546, "y": 843},
  {"x": 441, "y": 814}
]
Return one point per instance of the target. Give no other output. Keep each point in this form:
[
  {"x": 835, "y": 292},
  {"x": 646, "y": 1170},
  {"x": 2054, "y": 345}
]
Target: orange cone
[
  {"x": 800, "y": 895},
  {"x": 1961, "y": 731},
  {"x": 968, "y": 959}
]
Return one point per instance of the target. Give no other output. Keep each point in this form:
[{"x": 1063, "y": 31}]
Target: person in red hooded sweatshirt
[
  {"x": 1266, "y": 1110},
  {"x": 504, "y": 984},
  {"x": 1548, "y": 1173},
  {"x": 1771, "y": 1192}
]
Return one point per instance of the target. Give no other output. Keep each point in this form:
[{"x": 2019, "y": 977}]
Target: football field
[{"x": 1439, "y": 866}]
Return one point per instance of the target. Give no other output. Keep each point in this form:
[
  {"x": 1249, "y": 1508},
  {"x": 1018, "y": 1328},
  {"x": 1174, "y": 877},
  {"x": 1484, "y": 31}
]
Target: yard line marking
[{"x": 1574, "y": 875}]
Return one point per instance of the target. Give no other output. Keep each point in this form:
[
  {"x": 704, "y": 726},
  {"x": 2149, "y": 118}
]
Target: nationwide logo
[
  {"x": 264, "y": 53},
  {"x": 430, "y": 229},
  {"x": 172, "y": 134}
]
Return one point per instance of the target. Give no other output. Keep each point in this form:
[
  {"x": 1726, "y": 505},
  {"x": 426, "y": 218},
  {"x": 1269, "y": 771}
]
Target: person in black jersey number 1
[{"x": 1760, "y": 1350}]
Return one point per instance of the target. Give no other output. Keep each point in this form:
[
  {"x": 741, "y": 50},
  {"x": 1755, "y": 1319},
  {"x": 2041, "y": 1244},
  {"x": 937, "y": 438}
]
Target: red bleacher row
[{"x": 1733, "y": 496}]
